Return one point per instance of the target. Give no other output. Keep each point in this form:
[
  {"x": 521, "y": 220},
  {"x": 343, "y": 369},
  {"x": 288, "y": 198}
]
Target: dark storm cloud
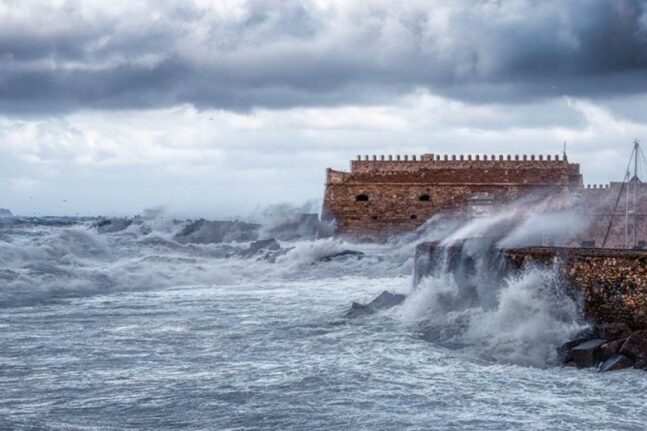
[{"x": 287, "y": 54}]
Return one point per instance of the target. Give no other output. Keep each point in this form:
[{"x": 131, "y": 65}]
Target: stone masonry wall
[
  {"x": 402, "y": 194},
  {"x": 611, "y": 283}
]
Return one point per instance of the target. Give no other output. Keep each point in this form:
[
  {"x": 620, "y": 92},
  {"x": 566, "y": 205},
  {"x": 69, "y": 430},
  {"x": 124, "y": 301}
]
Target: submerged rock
[
  {"x": 387, "y": 299},
  {"x": 586, "y": 354},
  {"x": 616, "y": 362},
  {"x": 112, "y": 225},
  {"x": 342, "y": 255},
  {"x": 357, "y": 309},
  {"x": 383, "y": 301}
]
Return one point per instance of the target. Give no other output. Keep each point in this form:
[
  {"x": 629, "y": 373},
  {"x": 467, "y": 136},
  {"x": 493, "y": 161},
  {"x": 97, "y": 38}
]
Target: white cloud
[{"x": 218, "y": 162}]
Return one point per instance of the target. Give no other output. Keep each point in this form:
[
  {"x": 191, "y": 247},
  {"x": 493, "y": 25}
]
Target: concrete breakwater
[{"x": 609, "y": 285}]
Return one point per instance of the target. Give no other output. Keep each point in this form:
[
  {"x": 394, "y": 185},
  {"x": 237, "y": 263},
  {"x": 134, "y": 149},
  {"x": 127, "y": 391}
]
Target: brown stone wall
[
  {"x": 394, "y": 188},
  {"x": 611, "y": 283}
]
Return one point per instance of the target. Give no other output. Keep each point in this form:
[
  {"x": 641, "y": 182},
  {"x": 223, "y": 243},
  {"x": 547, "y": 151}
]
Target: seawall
[{"x": 610, "y": 283}]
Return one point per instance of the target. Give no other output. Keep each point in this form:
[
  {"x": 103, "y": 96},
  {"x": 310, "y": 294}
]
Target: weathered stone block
[
  {"x": 616, "y": 362},
  {"x": 587, "y": 354},
  {"x": 564, "y": 352},
  {"x": 610, "y": 349},
  {"x": 387, "y": 299},
  {"x": 357, "y": 309}
]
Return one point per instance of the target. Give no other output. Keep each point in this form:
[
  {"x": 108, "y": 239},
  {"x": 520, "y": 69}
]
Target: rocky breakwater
[{"x": 609, "y": 347}]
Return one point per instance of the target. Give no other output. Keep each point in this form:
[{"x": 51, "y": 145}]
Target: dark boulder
[
  {"x": 610, "y": 349},
  {"x": 384, "y": 300},
  {"x": 357, "y": 309},
  {"x": 636, "y": 348},
  {"x": 108, "y": 225},
  {"x": 564, "y": 351},
  {"x": 342, "y": 255},
  {"x": 616, "y": 362},
  {"x": 387, "y": 299},
  {"x": 612, "y": 331},
  {"x": 586, "y": 354}
]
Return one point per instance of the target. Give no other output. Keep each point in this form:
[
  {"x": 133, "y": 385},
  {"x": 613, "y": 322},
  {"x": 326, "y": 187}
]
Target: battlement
[
  {"x": 406, "y": 162},
  {"x": 461, "y": 157}
]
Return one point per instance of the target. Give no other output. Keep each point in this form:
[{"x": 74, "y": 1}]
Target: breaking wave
[{"x": 519, "y": 319}]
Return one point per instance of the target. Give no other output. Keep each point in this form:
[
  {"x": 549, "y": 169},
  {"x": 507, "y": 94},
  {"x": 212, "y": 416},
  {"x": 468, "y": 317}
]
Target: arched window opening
[
  {"x": 361, "y": 198},
  {"x": 424, "y": 198}
]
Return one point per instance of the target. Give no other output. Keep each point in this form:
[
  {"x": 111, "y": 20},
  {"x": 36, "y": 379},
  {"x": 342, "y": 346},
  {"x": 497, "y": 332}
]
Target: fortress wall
[
  {"x": 393, "y": 188},
  {"x": 394, "y": 208}
]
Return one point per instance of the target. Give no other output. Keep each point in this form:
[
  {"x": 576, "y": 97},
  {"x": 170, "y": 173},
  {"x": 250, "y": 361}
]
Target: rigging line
[{"x": 613, "y": 213}]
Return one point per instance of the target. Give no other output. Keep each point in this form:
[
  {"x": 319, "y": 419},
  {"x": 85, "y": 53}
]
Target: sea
[{"x": 154, "y": 323}]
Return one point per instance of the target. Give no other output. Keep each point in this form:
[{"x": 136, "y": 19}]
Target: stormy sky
[{"x": 215, "y": 108}]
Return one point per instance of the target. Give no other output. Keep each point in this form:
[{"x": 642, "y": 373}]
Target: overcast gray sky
[{"x": 215, "y": 107}]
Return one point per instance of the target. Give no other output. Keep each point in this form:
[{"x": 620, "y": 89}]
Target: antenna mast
[{"x": 635, "y": 180}]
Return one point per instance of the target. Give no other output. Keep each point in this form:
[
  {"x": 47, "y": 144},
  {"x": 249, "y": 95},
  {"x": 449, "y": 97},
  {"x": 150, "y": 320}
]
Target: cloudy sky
[{"x": 216, "y": 107}]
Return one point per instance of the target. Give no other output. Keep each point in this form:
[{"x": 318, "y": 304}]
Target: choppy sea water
[{"x": 132, "y": 329}]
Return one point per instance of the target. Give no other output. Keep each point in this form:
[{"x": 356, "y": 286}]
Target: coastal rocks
[
  {"x": 112, "y": 225},
  {"x": 264, "y": 249},
  {"x": 387, "y": 299},
  {"x": 383, "y": 301},
  {"x": 636, "y": 347},
  {"x": 586, "y": 354},
  {"x": 616, "y": 362},
  {"x": 4, "y": 212},
  {"x": 357, "y": 309},
  {"x": 610, "y": 347},
  {"x": 342, "y": 256},
  {"x": 564, "y": 351}
]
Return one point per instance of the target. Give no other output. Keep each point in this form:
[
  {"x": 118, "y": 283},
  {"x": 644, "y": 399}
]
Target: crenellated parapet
[{"x": 406, "y": 162}]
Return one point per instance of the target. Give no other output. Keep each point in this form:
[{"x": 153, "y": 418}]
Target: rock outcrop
[
  {"x": 383, "y": 301},
  {"x": 616, "y": 362},
  {"x": 342, "y": 255}
]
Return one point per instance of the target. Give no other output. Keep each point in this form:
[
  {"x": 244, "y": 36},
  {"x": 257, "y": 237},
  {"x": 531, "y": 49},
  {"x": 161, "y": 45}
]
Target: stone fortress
[{"x": 382, "y": 196}]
